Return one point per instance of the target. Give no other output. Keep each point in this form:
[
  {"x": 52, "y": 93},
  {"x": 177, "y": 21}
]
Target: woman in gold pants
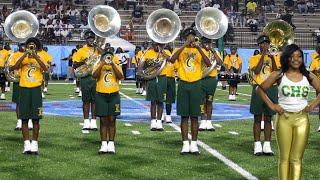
[{"x": 292, "y": 124}]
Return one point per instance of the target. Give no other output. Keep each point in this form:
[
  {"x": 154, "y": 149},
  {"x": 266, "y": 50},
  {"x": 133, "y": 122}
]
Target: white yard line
[
  {"x": 127, "y": 124},
  {"x": 210, "y": 150},
  {"x": 135, "y": 132},
  {"x": 233, "y": 133}
]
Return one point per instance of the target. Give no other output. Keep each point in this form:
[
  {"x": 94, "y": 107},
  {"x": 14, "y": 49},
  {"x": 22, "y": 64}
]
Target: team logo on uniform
[
  {"x": 295, "y": 91},
  {"x": 234, "y": 61},
  {"x": 107, "y": 78},
  {"x": 191, "y": 57},
  {"x": 266, "y": 69},
  {"x": 30, "y": 75},
  {"x": 117, "y": 108}
]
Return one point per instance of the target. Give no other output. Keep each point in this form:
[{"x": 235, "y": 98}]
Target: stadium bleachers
[{"x": 243, "y": 37}]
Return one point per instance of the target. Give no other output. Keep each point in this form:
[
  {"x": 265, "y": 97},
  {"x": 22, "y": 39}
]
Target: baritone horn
[
  {"x": 19, "y": 26},
  {"x": 280, "y": 34},
  {"x": 211, "y": 23},
  {"x": 163, "y": 26},
  {"x": 105, "y": 22}
]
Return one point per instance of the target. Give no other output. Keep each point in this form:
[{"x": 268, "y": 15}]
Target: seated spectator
[
  {"x": 183, "y": 4},
  {"x": 195, "y": 6},
  {"x": 166, "y": 4},
  {"x": 310, "y": 7},
  {"x": 288, "y": 18},
  {"x": 269, "y": 6},
  {"x": 128, "y": 32},
  {"x": 131, "y": 3},
  {"x": 57, "y": 34},
  {"x": 183, "y": 27},
  {"x": 253, "y": 24},
  {"x": 202, "y": 4},
  {"x": 73, "y": 13},
  {"x": 302, "y": 6},
  {"x": 317, "y": 2},
  {"x": 137, "y": 15},
  {"x": 317, "y": 35},
  {"x": 251, "y": 7},
  {"x": 216, "y": 4},
  {"x": 233, "y": 16},
  {"x": 84, "y": 14},
  {"x": 280, "y": 13},
  {"x": 176, "y": 7},
  {"x": 44, "y": 20},
  {"x": 83, "y": 28},
  {"x": 262, "y": 18}
]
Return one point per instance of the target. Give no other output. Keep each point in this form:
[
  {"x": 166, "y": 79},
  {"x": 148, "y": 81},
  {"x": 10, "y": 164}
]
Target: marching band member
[
  {"x": 140, "y": 54},
  {"x": 88, "y": 85},
  {"x": 107, "y": 73},
  {"x": 30, "y": 100},
  {"x": 292, "y": 123},
  {"x": 4, "y": 54},
  {"x": 156, "y": 87},
  {"x": 8, "y": 48},
  {"x": 135, "y": 61},
  {"x": 189, "y": 96},
  {"x": 233, "y": 63},
  {"x": 48, "y": 58},
  {"x": 15, "y": 91},
  {"x": 78, "y": 90},
  {"x": 209, "y": 85},
  {"x": 170, "y": 70},
  {"x": 262, "y": 66},
  {"x": 315, "y": 68}
]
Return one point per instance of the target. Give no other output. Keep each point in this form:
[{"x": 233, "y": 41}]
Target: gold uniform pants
[{"x": 292, "y": 131}]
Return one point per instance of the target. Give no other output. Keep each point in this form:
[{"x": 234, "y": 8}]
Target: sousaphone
[
  {"x": 105, "y": 22},
  {"x": 19, "y": 26},
  {"x": 211, "y": 23},
  {"x": 163, "y": 26}
]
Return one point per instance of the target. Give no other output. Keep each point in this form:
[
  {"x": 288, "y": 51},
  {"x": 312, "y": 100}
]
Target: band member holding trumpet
[
  {"x": 292, "y": 123},
  {"x": 4, "y": 55},
  {"x": 262, "y": 66},
  {"x": 107, "y": 73},
  {"x": 233, "y": 64},
  {"x": 15, "y": 91},
  {"x": 209, "y": 85},
  {"x": 189, "y": 96},
  {"x": 30, "y": 100},
  {"x": 315, "y": 68},
  {"x": 88, "y": 85},
  {"x": 157, "y": 86}
]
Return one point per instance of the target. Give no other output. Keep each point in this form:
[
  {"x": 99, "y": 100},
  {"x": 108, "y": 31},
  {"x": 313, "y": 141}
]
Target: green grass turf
[{"x": 66, "y": 153}]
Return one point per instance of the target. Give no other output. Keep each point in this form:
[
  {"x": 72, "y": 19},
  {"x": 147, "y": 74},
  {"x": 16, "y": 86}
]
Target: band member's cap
[
  {"x": 89, "y": 34},
  {"x": 35, "y": 40},
  {"x": 107, "y": 53},
  {"x": 263, "y": 38},
  {"x": 188, "y": 31},
  {"x": 233, "y": 48}
]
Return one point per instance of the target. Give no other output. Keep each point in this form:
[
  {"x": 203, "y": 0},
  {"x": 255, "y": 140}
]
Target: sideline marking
[
  {"x": 210, "y": 150},
  {"x": 217, "y": 125},
  {"x": 127, "y": 124},
  {"x": 135, "y": 132},
  {"x": 233, "y": 132}
]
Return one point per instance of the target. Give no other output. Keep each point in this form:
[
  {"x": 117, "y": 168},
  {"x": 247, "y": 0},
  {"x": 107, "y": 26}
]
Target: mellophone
[{"x": 233, "y": 76}]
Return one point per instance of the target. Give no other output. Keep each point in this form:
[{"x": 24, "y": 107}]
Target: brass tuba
[
  {"x": 280, "y": 34},
  {"x": 19, "y": 26},
  {"x": 163, "y": 26},
  {"x": 105, "y": 22},
  {"x": 211, "y": 23}
]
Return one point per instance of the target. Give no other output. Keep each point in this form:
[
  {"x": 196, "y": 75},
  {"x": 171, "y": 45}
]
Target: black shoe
[
  {"x": 17, "y": 129},
  {"x": 93, "y": 129},
  {"x": 184, "y": 153},
  {"x": 26, "y": 152},
  {"x": 213, "y": 129},
  {"x": 102, "y": 152},
  {"x": 153, "y": 129},
  {"x": 196, "y": 153},
  {"x": 85, "y": 129},
  {"x": 161, "y": 129},
  {"x": 202, "y": 129},
  {"x": 258, "y": 154},
  {"x": 268, "y": 154},
  {"x": 34, "y": 153}
]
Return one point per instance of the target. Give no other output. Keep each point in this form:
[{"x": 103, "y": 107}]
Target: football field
[{"x": 66, "y": 153}]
